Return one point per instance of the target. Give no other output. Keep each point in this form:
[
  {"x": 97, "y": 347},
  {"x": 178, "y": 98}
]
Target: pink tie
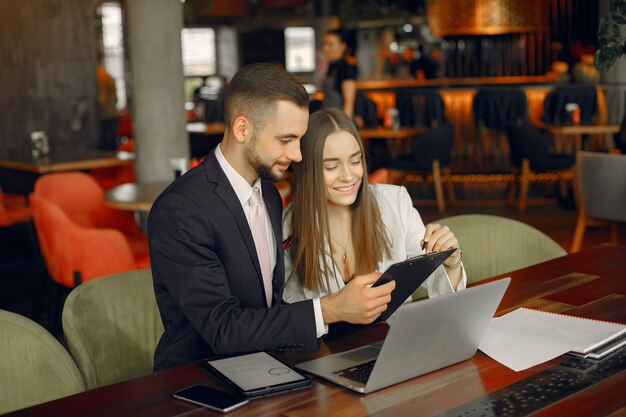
[{"x": 259, "y": 233}]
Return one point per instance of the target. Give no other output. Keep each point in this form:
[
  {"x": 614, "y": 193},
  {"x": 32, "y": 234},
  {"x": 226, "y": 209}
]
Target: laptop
[{"x": 424, "y": 336}]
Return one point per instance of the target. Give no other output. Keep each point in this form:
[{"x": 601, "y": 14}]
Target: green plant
[{"x": 612, "y": 35}]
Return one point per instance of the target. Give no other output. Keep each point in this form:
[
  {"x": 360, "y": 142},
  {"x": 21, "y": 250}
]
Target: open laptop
[{"x": 424, "y": 336}]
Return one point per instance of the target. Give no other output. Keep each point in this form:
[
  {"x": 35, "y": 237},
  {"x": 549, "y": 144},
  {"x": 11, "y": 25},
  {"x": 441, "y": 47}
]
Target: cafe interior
[{"x": 504, "y": 119}]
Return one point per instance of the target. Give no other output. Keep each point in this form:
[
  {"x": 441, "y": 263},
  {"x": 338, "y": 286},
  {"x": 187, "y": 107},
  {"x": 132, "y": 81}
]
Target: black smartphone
[{"x": 211, "y": 398}]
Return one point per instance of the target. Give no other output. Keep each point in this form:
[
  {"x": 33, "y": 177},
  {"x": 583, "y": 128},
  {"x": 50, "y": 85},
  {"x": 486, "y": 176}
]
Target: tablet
[
  {"x": 409, "y": 275},
  {"x": 256, "y": 374}
]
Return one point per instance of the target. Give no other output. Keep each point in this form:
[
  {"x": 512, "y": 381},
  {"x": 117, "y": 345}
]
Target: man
[{"x": 215, "y": 237}]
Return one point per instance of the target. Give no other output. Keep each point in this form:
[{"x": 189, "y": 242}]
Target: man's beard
[{"x": 262, "y": 170}]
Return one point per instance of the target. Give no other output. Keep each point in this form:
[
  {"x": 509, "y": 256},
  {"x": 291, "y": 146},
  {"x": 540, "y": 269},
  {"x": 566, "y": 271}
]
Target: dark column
[{"x": 47, "y": 74}]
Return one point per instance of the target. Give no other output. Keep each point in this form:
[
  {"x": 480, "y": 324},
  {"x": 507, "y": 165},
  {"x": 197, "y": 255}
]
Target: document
[{"x": 525, "y": 338}]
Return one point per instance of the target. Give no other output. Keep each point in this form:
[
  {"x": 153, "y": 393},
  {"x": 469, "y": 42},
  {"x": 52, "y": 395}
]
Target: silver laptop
[{"x": 424, "y": 336}]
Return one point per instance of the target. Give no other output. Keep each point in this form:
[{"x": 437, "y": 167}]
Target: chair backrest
[
  {"x": 81, "y": 198},
  {"x": 4, "y": 215},
  {"x": 384, "y": 100},
  {"x": 496, "y": 108},
  {"x": 527, "y": 142},
  {"x": 34, "y": 367},
  {"x": 494, "y": 245},
  {"x": 112, "y": 326},
  {"x": 68, "y": 248},
  {"x": 423, "y": 107},
  {"x": 365, "y": 108},
  {"x": 583, "y": 95},
  {"x": 601, "y": 183},
  {"x": 436, "y": 143}
]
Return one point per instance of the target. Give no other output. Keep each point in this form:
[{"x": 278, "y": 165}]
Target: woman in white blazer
[{"x": 338, "y": 226}]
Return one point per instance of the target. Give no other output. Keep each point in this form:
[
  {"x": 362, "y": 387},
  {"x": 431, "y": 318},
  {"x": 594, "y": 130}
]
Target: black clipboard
[
  {"x": 409, "y": 275},
  {"x": 256, "y": 374}
]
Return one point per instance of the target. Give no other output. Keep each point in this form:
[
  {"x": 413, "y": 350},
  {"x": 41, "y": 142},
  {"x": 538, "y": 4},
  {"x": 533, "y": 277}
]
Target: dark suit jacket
[{"x": 207, "y": 278}]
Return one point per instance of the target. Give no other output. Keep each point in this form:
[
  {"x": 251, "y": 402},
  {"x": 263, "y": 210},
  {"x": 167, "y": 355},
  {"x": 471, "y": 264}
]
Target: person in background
[
  {"x": 107, "y": 107},
  {"x": 425, "y": 67},
  {"x": 339, "y": 226},
  {"x": 339, "y": 84},
  {"x": 215, "y": 237},
  {"x": 584, "y": 71}
]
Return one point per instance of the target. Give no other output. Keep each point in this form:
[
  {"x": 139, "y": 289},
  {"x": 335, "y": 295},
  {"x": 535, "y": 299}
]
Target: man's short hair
[{"x": 255, "y": 89}]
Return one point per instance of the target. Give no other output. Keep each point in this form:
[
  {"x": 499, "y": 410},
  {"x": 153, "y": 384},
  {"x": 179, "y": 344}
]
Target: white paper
[{"x": 519, "y": 340}]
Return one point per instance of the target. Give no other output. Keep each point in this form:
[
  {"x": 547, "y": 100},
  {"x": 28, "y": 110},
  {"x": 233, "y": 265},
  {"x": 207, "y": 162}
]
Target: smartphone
[{"x": 211, "y": 398}]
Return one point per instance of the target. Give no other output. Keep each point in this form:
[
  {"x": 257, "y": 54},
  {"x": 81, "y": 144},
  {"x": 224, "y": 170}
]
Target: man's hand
[{"x": 357, "y": 302}]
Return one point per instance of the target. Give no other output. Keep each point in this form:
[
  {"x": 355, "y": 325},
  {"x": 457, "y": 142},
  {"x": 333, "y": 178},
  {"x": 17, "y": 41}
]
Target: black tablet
[
  {"x": 256, "y": 374},
  {"x": 409, "y": 275}
]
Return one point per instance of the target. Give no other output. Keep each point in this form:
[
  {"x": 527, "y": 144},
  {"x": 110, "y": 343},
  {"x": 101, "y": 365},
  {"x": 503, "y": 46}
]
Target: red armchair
[
  {"x": 78, "y": 233},
  {"x": 13, "y": 210}
]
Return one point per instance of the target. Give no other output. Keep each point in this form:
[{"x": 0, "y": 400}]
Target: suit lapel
[{"x": 226, "y": 193}]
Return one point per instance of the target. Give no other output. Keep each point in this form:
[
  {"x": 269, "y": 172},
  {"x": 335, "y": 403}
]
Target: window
[
  {"x": 113, "y": 48},
  {"x": 198, "y": 45},
  {"x": 300, "y": 49}
]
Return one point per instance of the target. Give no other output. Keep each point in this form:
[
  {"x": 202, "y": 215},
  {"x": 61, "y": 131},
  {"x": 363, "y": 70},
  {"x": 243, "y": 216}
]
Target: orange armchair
[
  {"x": 13, "y": 210},
  {"x": 73, "y": 253},
  {"x": 81, "y": 200}
]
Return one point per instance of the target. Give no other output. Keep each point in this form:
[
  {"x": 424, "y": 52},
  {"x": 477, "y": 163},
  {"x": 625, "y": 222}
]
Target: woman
[
  {"x": 339, "y": 84},
  {"x": 338, "y": 226}
]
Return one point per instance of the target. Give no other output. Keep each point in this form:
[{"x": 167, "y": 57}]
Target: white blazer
[{"x": 405, "y": 229}]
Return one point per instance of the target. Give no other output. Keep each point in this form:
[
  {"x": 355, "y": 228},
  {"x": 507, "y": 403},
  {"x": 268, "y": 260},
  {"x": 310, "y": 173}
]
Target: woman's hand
[{"x": 439, "y": 238}]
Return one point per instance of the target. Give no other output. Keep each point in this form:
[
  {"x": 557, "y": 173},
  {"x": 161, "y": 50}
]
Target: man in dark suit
[{"x": 215, "y": 237}]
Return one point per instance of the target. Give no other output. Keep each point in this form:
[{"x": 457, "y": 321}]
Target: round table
[{"x": 139, "y": 197}]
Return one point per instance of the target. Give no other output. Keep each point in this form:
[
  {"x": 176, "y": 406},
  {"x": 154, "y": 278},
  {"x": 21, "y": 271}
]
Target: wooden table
[
  {"x": 140, "y": 197},
  {"x": 18, "y": 175},
  {"x": 399, "y": 136},
  {"x": 70, "y": 161},
  {"x": 134, "y": 197},
  {"x": 590, "y": 283},
  {"x": 576, "y": 131},
  {"x": 214, "y": 128}
]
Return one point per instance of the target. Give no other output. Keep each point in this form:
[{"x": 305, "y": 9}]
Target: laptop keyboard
[{"x": 359, "y": 373}]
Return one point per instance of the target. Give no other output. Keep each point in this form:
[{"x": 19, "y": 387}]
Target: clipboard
[
  {"x": 256, "y": 374},
  {"x": 409, "y": 275}
]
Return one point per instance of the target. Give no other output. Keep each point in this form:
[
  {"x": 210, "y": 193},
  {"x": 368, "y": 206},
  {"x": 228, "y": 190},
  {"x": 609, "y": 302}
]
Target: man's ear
[{"x": 242, "y": 129}]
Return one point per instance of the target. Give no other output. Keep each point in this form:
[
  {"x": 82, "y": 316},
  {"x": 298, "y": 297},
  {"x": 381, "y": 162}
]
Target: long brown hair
[{"x": 309, "y": 214}]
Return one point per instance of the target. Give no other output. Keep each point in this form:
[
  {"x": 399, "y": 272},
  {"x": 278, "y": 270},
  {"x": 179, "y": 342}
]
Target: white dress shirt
[
  {"x": 405, "y": 229},
  {"x": 244, "y": 190}
]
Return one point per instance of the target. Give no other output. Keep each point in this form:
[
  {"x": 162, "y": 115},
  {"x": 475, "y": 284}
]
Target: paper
[{"x": 525, "y": 338}]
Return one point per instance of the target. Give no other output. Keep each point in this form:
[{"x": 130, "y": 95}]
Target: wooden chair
[
  {"x": 600, "y": 190},
  {"x": 430, "y": 153},
  {"x": 493, "y": 110},
  {"x": 530, "y": 155}
]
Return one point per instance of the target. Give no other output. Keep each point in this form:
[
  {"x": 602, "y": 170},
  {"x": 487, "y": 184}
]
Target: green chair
[
  {"x": 34, "y": 367},
  {"x": 494, "y": 245},
  {"x": 112, "y": 326}
]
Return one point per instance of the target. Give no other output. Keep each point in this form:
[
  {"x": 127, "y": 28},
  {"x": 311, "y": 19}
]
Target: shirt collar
[{"x": 240, "y": 185}]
